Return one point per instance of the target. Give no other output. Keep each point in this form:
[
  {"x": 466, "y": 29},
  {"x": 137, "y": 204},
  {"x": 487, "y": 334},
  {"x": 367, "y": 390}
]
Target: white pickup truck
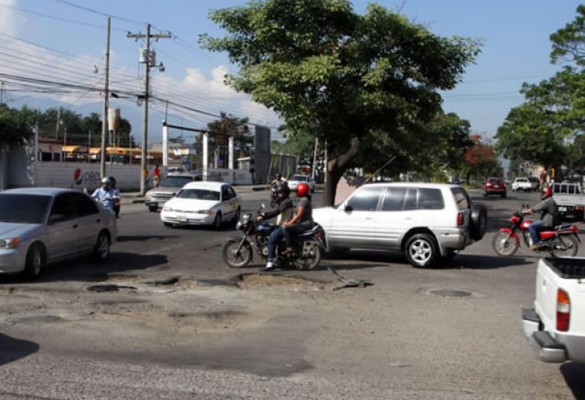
[
  {"x": 555, "y": 327},
  {"x": 524, "y": 184},
  {"x": 570, "y": 200}
]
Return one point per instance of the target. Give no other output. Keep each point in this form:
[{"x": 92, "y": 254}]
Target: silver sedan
[{"x": 42, "y": 225}]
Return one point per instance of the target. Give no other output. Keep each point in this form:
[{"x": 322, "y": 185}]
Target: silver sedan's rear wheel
[{"x": 102, "y": 247}]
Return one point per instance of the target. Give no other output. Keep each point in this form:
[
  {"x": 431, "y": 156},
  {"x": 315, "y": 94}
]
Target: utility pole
[
  {"x": 148, "y": 58},
  {"x": 106, "y": 105}
]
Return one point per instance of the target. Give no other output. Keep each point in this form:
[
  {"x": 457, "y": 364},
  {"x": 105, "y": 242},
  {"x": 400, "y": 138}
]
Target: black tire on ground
[
  {"x": 217, "y": 221},
  {"x": 36, "y": 260},
  {"x": 240, "y": 259},
  {"x": 168, "y": 224},
  {"x": 504, "y": 195},
  {"x": 102, "y": 247},
  {"x": 236, "y": 216},
  {"x": 422, "y": 251},
  {"x": 152, "y": 208},
  {"x": 478, "y": 222}
]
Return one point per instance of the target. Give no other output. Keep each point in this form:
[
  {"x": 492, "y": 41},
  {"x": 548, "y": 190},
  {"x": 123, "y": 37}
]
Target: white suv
[{"x": 426, "y": 221}]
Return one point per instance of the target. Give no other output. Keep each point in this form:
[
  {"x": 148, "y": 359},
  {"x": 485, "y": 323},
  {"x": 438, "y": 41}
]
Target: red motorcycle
[{"x": 562, "y": 241}]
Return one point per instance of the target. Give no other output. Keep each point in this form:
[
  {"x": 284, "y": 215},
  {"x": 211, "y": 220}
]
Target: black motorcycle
[{"x": 238, "y": 253}]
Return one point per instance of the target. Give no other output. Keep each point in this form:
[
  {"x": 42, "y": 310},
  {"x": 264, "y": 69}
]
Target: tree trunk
[{"x": 335, "y": 169}]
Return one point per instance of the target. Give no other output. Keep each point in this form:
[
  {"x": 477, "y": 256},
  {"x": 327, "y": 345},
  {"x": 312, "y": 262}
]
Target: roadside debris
[{"x": 349, "y": 282}]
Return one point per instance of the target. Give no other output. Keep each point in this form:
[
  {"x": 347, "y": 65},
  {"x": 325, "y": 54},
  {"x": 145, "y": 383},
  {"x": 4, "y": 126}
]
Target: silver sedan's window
[{"x": 24, "y": 208}]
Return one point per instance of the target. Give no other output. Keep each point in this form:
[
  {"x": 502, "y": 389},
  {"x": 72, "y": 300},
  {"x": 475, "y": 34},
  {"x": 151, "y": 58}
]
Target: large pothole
[{"x": 254, "y": 281}]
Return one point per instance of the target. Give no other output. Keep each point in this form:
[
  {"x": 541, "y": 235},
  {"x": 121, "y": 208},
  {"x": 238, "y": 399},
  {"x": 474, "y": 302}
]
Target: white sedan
[
  {"x": 202, "y": 203},
  {"x": 294, "y": 181}
]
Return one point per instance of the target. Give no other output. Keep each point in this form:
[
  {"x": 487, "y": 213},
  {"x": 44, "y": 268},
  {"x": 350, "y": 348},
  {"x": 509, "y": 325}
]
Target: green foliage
[
  {"x": 569, "y": 42},
  {"x": 343, "y": 77},
  {"x": 548, "y": 127},
  {"x": 15, "y": 127}
]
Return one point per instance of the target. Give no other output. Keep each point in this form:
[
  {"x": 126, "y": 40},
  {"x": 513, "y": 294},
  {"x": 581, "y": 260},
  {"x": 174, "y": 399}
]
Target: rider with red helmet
[
  {"x": 303, "y": 218},
  {"x": 549, "y": 214}
]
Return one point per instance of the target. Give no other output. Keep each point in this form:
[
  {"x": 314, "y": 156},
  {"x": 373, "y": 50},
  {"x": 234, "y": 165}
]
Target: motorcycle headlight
[
  {"x": 10, "y": 243},
  {"x": 238, "y": 225}
]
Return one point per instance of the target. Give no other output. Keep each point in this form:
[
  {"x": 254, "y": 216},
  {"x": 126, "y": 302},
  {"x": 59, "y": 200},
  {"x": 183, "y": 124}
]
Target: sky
[{"x": 65, "y": 41}]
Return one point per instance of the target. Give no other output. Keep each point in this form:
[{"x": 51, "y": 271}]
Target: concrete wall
[{"x": 87, "y": 176}]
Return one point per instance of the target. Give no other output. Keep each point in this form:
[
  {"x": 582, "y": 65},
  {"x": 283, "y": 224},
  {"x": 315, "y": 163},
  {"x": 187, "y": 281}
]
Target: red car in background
[{"x": 495, "y": 186}]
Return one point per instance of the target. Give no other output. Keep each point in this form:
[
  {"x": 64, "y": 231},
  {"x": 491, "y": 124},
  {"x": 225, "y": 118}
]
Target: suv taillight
[
  {"x": 460, "y": 219},
  {"x": 563, "y": 310}
]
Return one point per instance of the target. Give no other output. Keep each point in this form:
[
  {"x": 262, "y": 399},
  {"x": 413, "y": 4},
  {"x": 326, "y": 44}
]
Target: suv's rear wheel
[{"x": 421, "y": 250}]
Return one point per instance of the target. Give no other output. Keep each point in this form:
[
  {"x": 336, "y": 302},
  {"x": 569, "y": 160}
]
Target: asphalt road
[{"x": 177, "y": 327}]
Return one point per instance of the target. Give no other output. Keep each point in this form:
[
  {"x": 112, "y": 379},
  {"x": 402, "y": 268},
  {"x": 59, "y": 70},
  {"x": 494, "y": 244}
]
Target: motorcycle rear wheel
[
  {"x": 505, "y": 244},
  {"x": 234, "y": 258},
  {"x": 310, "y": 255},
  {"x": 565, "y": 246}
]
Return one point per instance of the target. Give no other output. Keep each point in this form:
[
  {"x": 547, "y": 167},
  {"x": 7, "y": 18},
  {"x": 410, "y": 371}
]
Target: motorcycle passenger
[
  {"x": 284, "y": 213},
  {"x": 549, "y": 214},
  {"x": 106, "y": 195},
  {"x": 302, "y": 220}
]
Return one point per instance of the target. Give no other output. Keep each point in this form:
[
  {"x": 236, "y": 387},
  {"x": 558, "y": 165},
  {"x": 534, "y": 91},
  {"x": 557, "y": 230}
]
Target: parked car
[
  {"x": 202, "y": 203},
  {"x": 41, "y": 225},
  {"x": 521, "y": 183},
  {"x": 157, "y": 197},
  {"x": 426, "y": 221},
  {"x": 534, "y": 183},
  {"x": 294, "y": 180},
  {"x": 494, "y": 186}
]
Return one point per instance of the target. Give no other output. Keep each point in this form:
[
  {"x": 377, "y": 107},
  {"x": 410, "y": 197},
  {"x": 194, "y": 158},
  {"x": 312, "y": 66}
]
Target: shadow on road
[
  {"x": 12, "y": 349},
  {"x": 573, "y": 374},
  {"x": 85, "y": 269},
  {"x": 141, "y": 238},
  {"x": 461, "y": 261}
]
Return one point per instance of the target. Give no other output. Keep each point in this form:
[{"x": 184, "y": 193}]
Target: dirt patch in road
[{"x": 256, "y": 281}]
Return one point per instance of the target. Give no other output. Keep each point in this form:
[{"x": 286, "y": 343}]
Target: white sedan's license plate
[
  {"x": 562, "y": 208},
  {"x": 181, "y": 218}
]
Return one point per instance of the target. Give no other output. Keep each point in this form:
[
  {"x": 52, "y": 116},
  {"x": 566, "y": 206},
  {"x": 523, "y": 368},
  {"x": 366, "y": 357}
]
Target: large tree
[
  {"x": 547, "y": 128},
  {"x": 343, "y": 77}
]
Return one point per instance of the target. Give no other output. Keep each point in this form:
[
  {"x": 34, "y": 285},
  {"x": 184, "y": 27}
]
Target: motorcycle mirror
[{"x": 262, "y": 206}]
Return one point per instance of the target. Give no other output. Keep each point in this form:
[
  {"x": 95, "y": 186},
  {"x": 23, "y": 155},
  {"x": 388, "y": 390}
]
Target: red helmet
[
  {"x": 303, "y": 189},
  {"x": 546, "y": 193}
]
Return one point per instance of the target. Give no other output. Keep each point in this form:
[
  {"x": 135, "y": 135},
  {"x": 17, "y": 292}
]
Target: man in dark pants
[
  {"x": 284, "y": 212},
  {"x": 549, "y": 214}
]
